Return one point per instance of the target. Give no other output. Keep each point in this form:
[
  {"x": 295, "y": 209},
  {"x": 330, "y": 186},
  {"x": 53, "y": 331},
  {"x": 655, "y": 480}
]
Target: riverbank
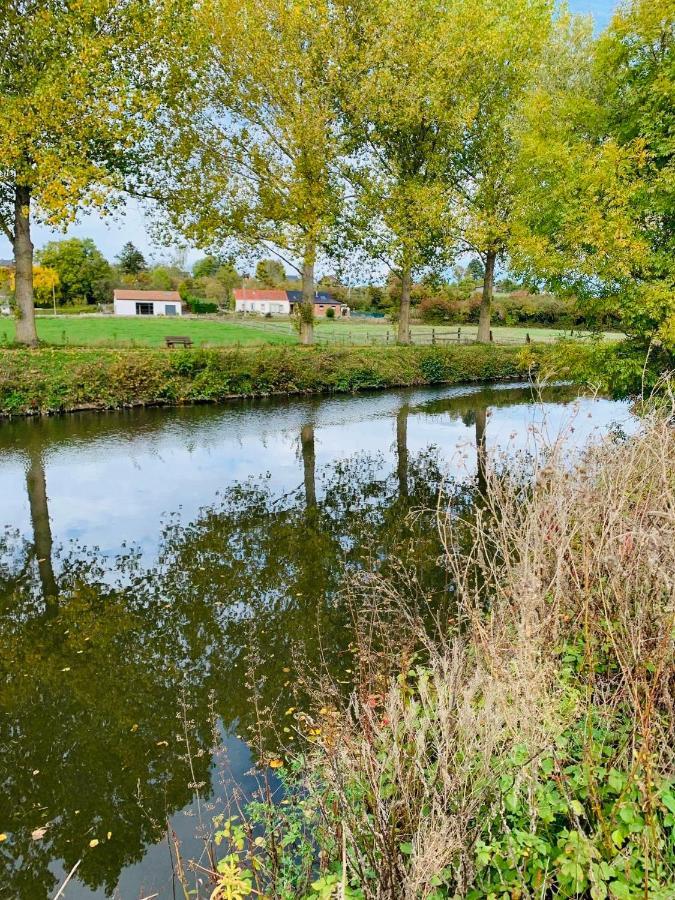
[{"x": 57, "y": 380}]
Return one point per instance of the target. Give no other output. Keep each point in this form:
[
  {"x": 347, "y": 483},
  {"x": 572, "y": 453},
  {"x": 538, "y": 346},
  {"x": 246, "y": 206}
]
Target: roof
[
  {"x": 319, "y": 297},
  {"x": 171, "y": 296},
  {"x": 262, "y": 294}
]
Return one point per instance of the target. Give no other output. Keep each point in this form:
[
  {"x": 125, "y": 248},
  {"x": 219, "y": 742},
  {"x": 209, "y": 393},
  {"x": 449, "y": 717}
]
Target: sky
[{"x": 110, "y": 235}]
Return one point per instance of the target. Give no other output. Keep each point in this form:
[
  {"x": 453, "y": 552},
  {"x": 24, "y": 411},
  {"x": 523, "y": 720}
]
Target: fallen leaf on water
[
  {"x": 162, "y": 743},
  {"x": 109, "y": 835},
  {"x": 66, "y": 669},
  {"x": 285, "y": 669},
  {"x": 93, "y": 842},
  {"x": 276, "y": 763},
  {"x": 36, "y": 771},
  {"x": 3, "y": 837},
  {"x": 39, "y": 833},
  {"x": 134, "y": 727},
  {"x": 290, "y": 710}
]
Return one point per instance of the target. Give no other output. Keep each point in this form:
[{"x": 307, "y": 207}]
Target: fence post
[
  {"x": 433, "y": 335},
  {"x": 527, "y": 337},
  {"x": 459, "y": 335},
  {"x": 491, "y": 337},
  {"x": 387, "y": 335}
]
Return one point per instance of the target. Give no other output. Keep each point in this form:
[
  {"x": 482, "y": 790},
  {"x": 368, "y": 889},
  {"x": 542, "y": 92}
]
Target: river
[{"x": 165, "y": 573}]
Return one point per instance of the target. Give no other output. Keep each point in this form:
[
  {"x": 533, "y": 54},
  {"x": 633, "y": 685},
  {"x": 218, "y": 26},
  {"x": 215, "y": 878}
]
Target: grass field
[
  {"x": 80, "y": 331},
  {"x": 110, "y": 331}
]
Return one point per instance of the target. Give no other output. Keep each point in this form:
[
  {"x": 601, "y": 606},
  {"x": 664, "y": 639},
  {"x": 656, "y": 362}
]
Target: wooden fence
[{"x": 377, "y": 336}]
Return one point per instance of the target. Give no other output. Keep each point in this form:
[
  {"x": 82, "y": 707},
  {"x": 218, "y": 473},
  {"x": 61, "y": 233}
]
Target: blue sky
[{"x": 111, "y": 235}]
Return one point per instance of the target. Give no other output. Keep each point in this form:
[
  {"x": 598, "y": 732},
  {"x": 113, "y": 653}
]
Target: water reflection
[{"x": 106, "y": 655}]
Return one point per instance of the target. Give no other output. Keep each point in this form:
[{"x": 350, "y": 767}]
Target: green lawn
[
  {"x": 508, "y": 334},
  {"x": 114, "y": 331},
  {"x": 143, "y": 332}
]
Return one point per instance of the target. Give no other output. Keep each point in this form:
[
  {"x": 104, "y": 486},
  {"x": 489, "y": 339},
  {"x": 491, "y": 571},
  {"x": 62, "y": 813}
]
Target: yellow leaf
[
  {"x": 276, "y": 763},
  {"x": 3, "y": 837},
  {"x": 93, "y": 842}
]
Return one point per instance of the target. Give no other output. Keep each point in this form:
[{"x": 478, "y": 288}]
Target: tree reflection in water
[{"x": 100, "y": 654}]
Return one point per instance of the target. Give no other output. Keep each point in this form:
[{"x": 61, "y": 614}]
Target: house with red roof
[
  {"x": 263, "y": 301},
  {"x": 275, "y": 302}
]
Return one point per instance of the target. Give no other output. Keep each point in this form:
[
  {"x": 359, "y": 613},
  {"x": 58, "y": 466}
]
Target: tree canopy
[{"x": 84, "y": 274}]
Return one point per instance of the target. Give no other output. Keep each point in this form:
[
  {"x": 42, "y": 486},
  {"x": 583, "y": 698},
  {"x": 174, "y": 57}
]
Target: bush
[
  {"x": 330, "y": 313},
  {"x": 201, "y": 307}
]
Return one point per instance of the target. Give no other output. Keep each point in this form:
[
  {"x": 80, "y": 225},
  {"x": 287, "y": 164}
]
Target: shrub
[
  {"x": 437, "y": 309},
  {"x": 330, "y": 313},
  {"x": 201, "y": 307}
]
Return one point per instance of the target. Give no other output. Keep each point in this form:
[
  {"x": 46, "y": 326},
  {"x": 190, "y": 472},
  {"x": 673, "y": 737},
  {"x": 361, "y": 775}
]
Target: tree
[
  {"x": 636, "y": 68},
  {"x": 401, "y": 58},
  {"x": 74, "y": 85},
  {"x": 476, "y": 269},
  {"x": 253, "y": 148},
  {"x": 506, "y": 53},
  {"x": 206, "y": 267},
  {"x": 84, "y": 273},
  {"x": 131, "y": 261},
  {"x": 597, "y": 170},
  {"x": 45, "y": 283},
  {"x": 270, "y": 273}
]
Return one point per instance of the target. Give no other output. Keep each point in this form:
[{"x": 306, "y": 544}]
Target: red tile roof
[
  {"x": 264, "y": 294},
  {"x": 171, "y": 296}
]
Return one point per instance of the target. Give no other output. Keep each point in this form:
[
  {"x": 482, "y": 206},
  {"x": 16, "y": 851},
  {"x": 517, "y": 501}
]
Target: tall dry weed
[{"x": 564, "y": 585}]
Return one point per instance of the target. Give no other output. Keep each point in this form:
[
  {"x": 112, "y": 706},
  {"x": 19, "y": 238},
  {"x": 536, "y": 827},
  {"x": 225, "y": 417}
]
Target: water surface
[{"x": 160, "y": 569}]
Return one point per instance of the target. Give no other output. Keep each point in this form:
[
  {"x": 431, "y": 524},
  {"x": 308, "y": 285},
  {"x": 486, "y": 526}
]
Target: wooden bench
[{"x": 178, "y": 341}]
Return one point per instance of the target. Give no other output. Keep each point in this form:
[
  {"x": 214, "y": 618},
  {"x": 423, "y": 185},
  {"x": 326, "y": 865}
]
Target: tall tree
[
  {"x": 253, "y": 147},
  {"x": 598, "y": 169},
  {"x": 84, "y": 274},
  {"x": 73, "y": 82},
  {"x": 507, "y": 42},
  {"x": 270, "y": 273},
  {"x": 399, "y": 58},
  {"x": 130, "y": 259}
]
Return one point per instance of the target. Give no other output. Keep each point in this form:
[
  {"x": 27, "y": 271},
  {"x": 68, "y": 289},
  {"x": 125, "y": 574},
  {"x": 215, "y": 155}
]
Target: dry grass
[{"x": 560, "y": 559}]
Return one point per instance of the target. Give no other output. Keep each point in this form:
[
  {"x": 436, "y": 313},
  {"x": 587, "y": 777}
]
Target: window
[
  {"x": 144, "y": 309},
  {"x": 170, "y": 309}
]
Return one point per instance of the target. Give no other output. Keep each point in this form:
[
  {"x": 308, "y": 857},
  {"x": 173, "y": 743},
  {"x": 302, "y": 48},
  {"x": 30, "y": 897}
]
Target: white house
[
  {"x": 262, "y": 302},
  {"x": 147, "y": 303}
]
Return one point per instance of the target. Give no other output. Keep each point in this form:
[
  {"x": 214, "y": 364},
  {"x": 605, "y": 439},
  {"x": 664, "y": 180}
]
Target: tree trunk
[
  {"x": 23, "y": 258},
  {"x": 404, "y": 311},
  {"x": 402, "y": 450},
  {"x": 308, "y": 464},
  {"x": 36, "y": 485},
  {"x": 307, "y": 311},
  {"x": 481, "y": 449},
  {"x": 486, "y": 300}
]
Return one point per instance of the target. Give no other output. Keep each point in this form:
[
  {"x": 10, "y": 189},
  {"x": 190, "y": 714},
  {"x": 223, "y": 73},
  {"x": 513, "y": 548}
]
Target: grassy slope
[{"x": 52, "y": 380}]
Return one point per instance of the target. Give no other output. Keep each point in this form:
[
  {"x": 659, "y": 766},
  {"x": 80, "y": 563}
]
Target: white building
[
  {"x": 147, "y": 303},
  {"x": 262, "y": 301}
]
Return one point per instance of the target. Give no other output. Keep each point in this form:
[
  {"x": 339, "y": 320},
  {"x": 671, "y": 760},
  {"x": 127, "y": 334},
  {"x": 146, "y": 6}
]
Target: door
[{"x": 170, "y": 309}]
